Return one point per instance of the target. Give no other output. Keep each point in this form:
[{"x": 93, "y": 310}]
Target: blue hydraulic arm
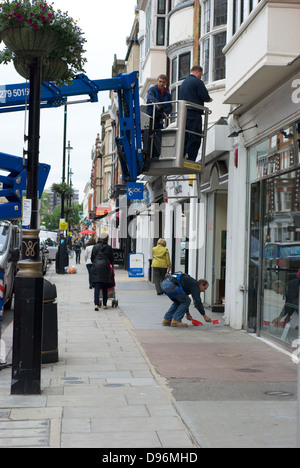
[
  {"x": 129, "y": 142},
  {"x": 14, "y": 184}
]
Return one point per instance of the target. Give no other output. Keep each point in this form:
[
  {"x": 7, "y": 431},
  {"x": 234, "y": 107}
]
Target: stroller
[{"x": 111, "y": 292}]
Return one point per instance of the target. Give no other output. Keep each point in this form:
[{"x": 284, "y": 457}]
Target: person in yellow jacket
[{"x": 160, "y": 263}]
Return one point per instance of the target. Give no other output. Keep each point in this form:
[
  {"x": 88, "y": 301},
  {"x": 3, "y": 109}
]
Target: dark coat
[
  {"x": 194, "y": 90},
  {"x": 102, "y": 257},
  {"x": 155, "y": 95}
]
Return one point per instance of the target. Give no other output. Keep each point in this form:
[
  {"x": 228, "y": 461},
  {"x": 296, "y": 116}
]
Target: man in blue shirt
[
  {"x": 178, "y": 287},
  {"x": 194, "y": 90},
  {"x": 158, "y": 94}
]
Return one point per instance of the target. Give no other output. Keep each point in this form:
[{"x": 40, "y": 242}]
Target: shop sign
[
  {"x": 102, "y": 210},
  {"x": 135, "y": 191}
]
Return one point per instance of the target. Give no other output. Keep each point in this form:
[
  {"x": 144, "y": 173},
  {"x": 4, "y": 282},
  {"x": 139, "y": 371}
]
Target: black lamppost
[{"x": 29, "y": 282}]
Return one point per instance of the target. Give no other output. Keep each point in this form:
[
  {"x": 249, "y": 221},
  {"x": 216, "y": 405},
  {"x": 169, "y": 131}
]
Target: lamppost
[
  {"x": 69, "y": 148},
  {"x": 29, "y": 282}
]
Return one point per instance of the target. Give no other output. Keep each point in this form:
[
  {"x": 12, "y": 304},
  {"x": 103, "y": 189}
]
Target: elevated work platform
[{"x": 172, "y": 160}]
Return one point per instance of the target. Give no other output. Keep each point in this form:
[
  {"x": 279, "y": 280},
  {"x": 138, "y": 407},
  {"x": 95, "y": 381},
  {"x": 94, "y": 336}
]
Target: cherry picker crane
[{"x": 134, "y": 154}]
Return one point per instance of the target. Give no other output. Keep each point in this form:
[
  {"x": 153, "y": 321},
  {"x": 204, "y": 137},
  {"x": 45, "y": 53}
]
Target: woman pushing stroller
[{"x": 101, "y": 276}]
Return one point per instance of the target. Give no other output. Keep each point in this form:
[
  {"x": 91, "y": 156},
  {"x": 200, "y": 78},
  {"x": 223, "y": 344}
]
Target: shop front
[{"x": 273, "y": 268}]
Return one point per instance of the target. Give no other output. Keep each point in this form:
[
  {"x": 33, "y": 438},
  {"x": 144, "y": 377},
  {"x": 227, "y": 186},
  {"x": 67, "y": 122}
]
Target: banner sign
[{"x": 135, "y": 191}]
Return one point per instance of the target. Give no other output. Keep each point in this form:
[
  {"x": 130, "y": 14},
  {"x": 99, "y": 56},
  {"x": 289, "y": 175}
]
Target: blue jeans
[{"x": 181, "y": 301}]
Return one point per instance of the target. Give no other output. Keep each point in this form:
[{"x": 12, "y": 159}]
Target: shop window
[
  {"x": 281, "y": 257},
  {"x": 274, "y": 236}
]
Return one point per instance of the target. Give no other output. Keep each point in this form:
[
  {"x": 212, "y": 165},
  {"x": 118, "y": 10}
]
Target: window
[
  {"x": 160, "y": 32},
  {"x": 213, "y": 39},
  {"x": 181, "y": 65},
  {"x": 220, "y": 12},
  {"x": 148, "y": 28},
  {"x": 205, "y": 59},
  {"x": 206, "y": 15},
  {"x": 161, "y": 22},
  {"x": 161, "y": 7},
  {"x": 184, "y": 66},
  {"x": 174, "y": 70},
  {"x": 241, "y": 9},
  {"x": 219, "y": 57},
  {"x": 235, "y": 16}
]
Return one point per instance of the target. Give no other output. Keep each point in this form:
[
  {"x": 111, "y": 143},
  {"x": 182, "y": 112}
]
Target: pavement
[{"x": 125, "y": 381}]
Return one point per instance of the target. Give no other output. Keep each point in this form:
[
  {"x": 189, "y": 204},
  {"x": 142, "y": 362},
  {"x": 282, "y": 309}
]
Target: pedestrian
[
  {"x": 193, "y": 90},
  {"x": 160, "y": 264},
  {"x": 77, "y": 248},
  {"x": 178, "y": 287},
  {"x": 87, "y": 256},
  {"x": 158, "y": 94},
  {"x": 290, "y": 293},
  {"x": 101, "y": 275}
]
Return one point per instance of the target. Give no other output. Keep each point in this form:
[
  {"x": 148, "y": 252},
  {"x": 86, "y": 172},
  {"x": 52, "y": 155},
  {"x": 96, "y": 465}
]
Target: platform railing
[{"x": 172, "y": 134}]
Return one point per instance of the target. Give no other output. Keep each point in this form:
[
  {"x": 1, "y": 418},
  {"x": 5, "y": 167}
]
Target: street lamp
[
  {"x": 69, "y": 148},
  {"x": 29, "y": 282}
]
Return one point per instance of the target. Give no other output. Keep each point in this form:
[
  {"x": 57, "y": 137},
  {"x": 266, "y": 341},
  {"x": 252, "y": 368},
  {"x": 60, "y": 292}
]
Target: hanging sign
[{"x": 135, "y": 191}]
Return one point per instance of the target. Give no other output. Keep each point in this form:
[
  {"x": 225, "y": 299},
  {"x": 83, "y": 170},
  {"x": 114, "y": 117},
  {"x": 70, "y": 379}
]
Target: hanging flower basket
[
  {"x": 63, "y": 189},
  {"x": 34, "y": 29},
  {"x": 26, "y": 42},
  {"x": 53, "y": 69}
]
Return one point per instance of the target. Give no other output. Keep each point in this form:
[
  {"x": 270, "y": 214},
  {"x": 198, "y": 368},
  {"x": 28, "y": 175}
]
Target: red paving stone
[{"x": 240, "y": 362}]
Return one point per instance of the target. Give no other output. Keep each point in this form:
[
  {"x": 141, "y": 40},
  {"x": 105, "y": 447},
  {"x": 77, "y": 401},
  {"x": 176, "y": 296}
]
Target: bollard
[{"x": 50, "y": 325}]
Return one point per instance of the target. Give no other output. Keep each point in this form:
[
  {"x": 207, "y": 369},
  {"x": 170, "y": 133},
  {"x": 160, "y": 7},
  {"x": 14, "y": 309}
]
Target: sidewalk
[{"x": 124, "y": 381}]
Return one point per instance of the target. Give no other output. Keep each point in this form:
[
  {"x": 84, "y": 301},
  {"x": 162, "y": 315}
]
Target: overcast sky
[{"x": 106, "y": 25}]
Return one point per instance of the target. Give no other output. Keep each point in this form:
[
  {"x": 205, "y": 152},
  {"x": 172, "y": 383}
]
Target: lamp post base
[{"x": 27, "y": 336}]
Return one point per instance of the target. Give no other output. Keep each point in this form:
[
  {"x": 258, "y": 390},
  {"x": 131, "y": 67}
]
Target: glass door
[{"x": 254, "y": 257}]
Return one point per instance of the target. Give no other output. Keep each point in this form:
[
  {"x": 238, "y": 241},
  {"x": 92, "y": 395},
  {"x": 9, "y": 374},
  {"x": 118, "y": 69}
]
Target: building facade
[
  {"x": 262, "y": 86},
  {"x": 238, "y": 223}
]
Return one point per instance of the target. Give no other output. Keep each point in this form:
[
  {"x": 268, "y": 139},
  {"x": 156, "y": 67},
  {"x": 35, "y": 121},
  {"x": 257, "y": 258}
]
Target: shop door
[{"x": 215, "y": 266}]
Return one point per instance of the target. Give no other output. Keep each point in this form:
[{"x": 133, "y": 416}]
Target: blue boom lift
[
  {"x": 134, "y": 154},
  {"x": 13, "y": 98}
]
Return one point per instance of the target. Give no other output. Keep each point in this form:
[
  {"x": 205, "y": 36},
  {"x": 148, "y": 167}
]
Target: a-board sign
[{"x": 135, "y": 264}]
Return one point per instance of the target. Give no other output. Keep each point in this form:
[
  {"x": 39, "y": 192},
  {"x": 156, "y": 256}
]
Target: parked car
[
  {"x": 9, "y": 257},
  {"x": 52, "y": 248}
]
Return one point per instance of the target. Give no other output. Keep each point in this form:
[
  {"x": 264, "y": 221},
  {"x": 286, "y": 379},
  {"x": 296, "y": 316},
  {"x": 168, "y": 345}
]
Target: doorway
[{"x": 216, "y": 249}]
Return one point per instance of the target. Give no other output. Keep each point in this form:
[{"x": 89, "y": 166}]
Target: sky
[{"x": 105, "y": 24}]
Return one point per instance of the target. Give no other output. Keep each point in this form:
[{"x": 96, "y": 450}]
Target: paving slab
[{"x": 125, "y": 381}]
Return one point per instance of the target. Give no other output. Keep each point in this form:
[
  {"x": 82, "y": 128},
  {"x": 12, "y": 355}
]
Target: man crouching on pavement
[{"x": 178, "y": 287}]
